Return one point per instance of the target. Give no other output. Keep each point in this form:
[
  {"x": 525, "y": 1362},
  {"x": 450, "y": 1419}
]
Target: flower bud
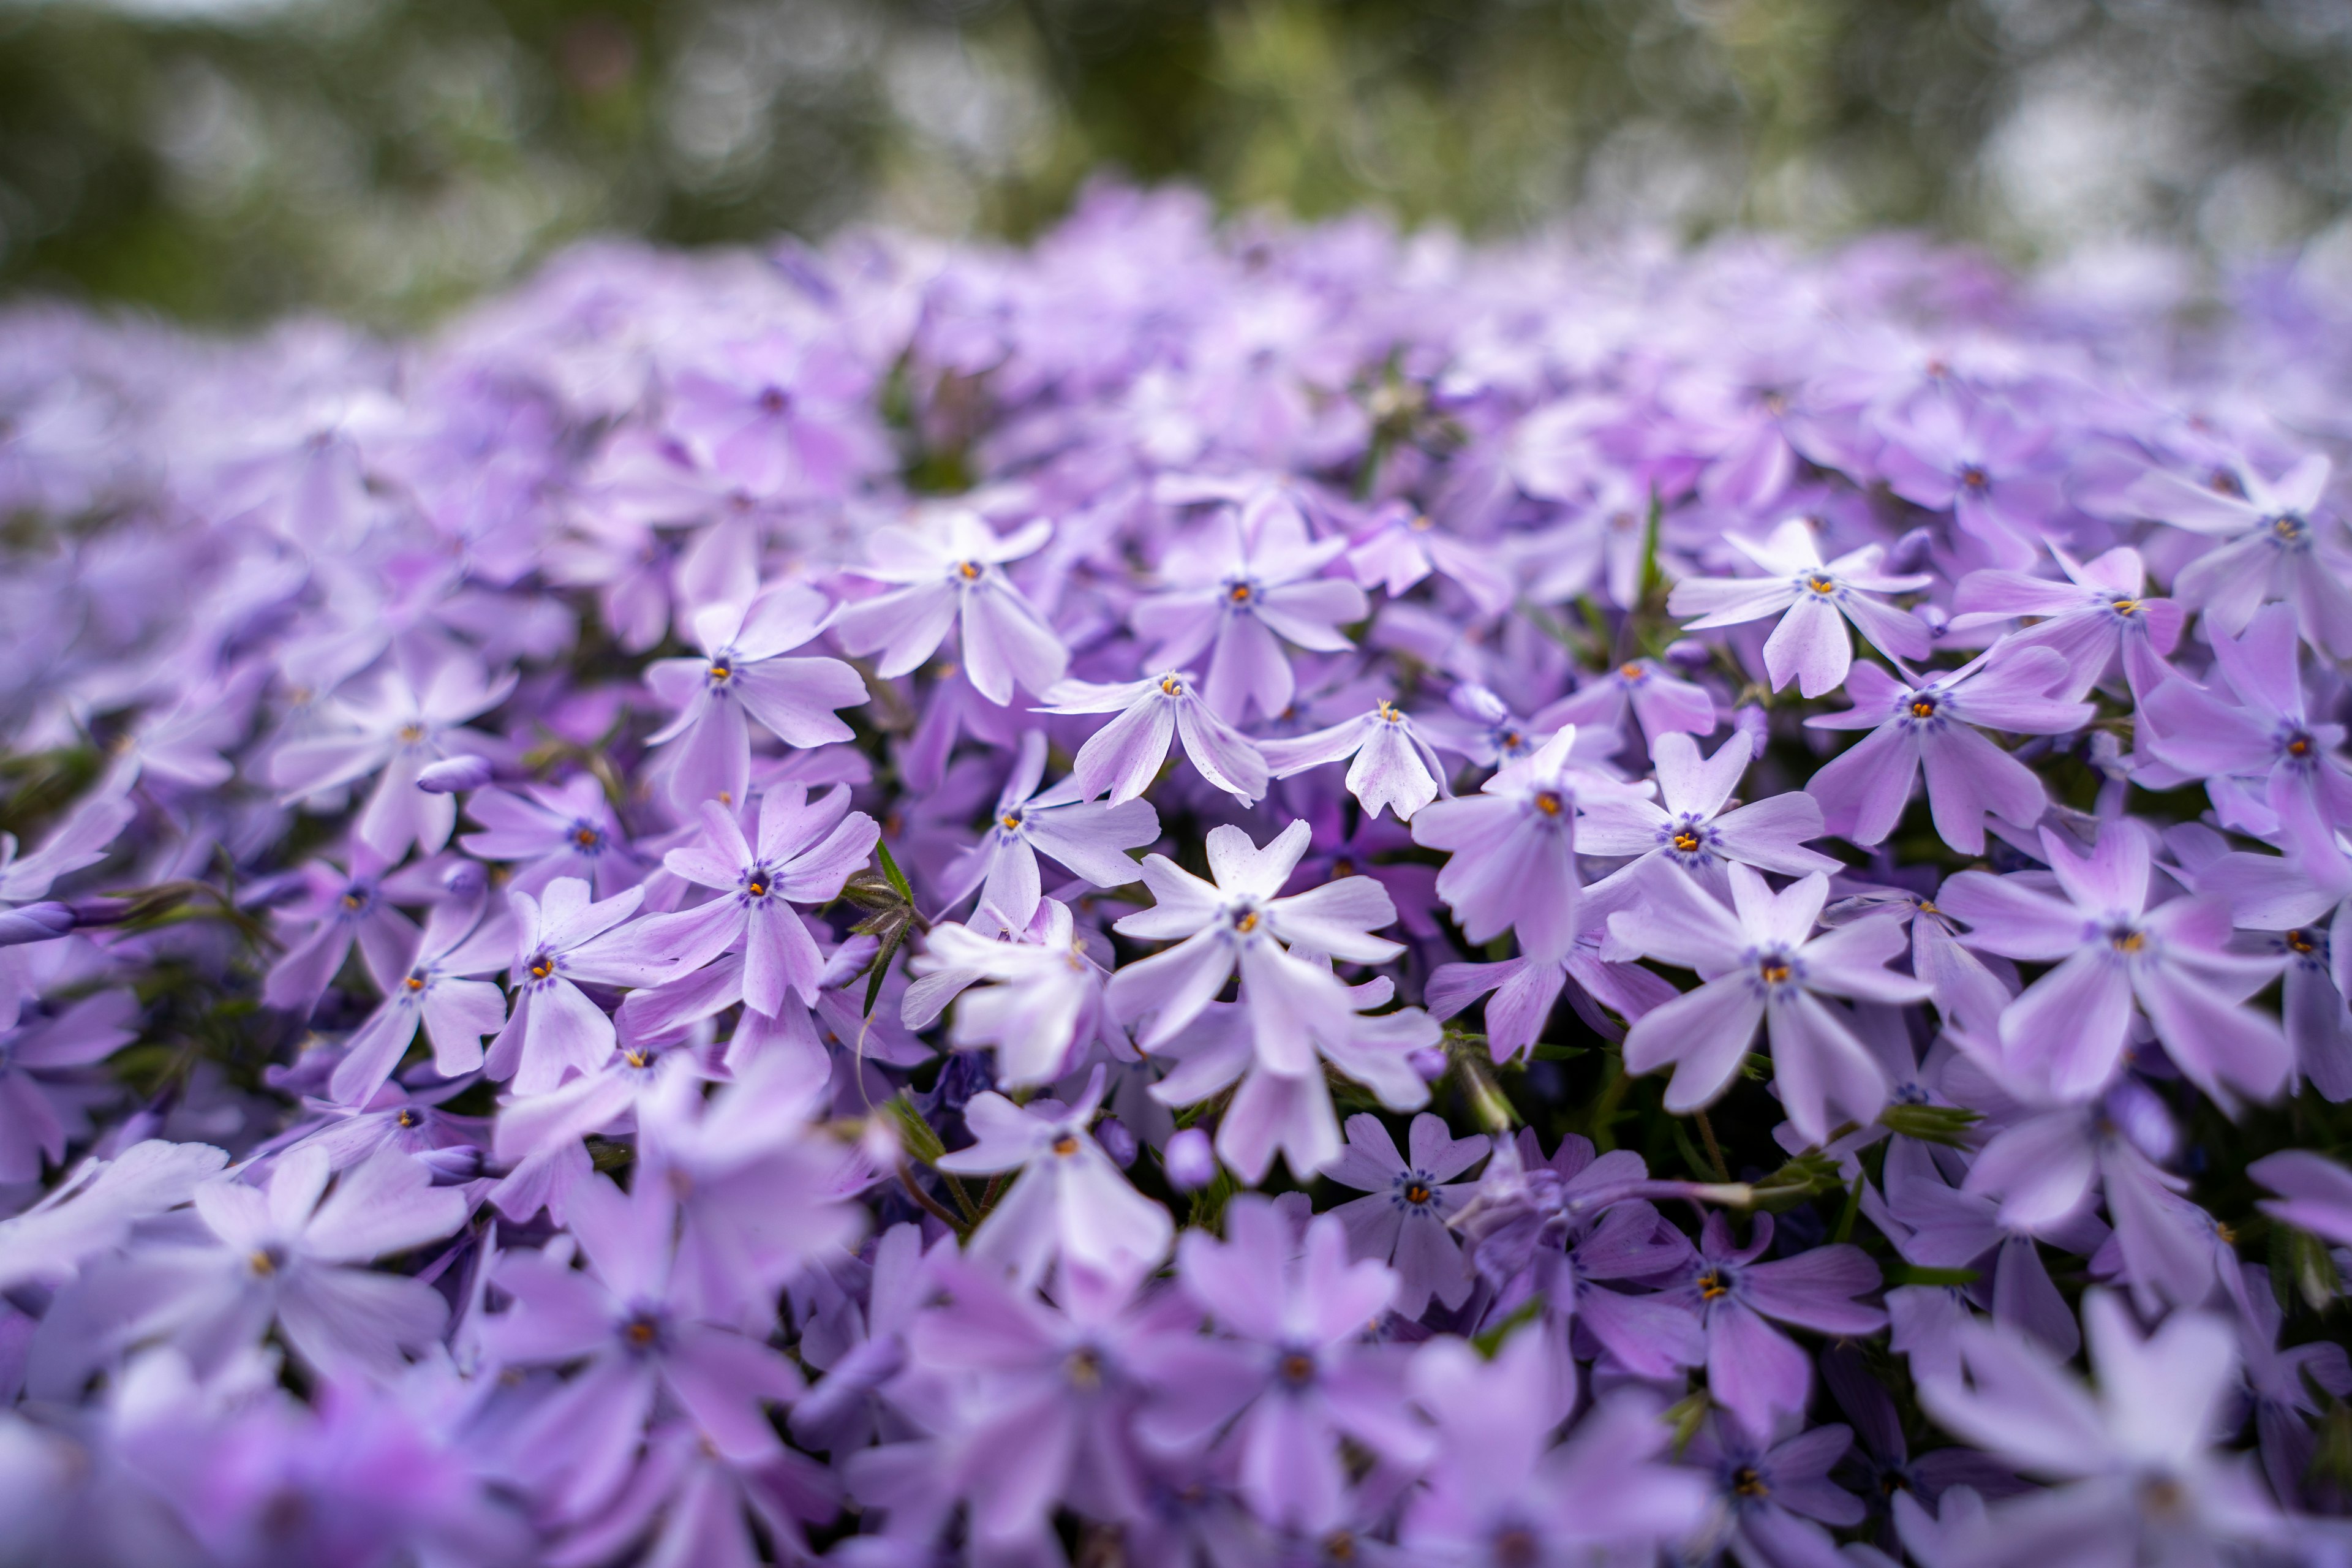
[
  {"x": 1117, "y": 1141},
  {"x": 452, "y": 776},
  {"x": 1189, "y": 1161},
  {"x": 35, "y": 922}
]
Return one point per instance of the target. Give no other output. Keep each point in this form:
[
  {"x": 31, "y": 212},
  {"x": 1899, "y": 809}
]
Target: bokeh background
[{"x": 230, "y": 160}]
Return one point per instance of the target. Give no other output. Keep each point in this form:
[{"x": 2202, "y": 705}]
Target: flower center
[
  {"x": 267, "y": 1260},
  {"x": 588, "y": 838},
  {"x": 1773, "y": 971},
  {"x": 1686, "y": 841},
  {"x": 1630, "y": 672},
  {"x": 1417, "y": 1192},
  {"x": 1747, "y": 1483},
  {"x": 1245, "y": 921},
  {"x": 1923, "y": 708},
  {"x": 407, "y": 1118},
  {"x": 641, "y": 1331},
  {"x": 2287, "y": 529},
  {"x": 415, "y": 981},
  {"x": 1238, "y": 593},
  {"x": 968, "y": 570},
  {"x": 1010, "y": 821},
  {"x": 1975, "y": 477},
  {"x": 1712, "y": 1286},
  {"x": 1517, "y": 1549},
  {"x": 1171, "y": 686},
  {"x": 2298, "y": 744},
  {"x": 2125, "y": 938},
  {"x": 542, "y": 964},
  {"x": 1547, "y": 801},
  {"x": 1065, "y": 1145},
  {"x": 1387, "y": 712},
  {"x": 2300, "y": 942},
  {"x": 774, "y": 400},
  {"x": 1083, "y": 1369},
  {"x": 411, "y": 734},
  {"x": 636, "y": 1058},
  {"x": 2125, "y": 606},
  {"x": 1296, "y": 1369},
  {"x": 756, "y": 885},
  {"x": 1821, "y": 584},
  {"x": 720, "y": 672}
]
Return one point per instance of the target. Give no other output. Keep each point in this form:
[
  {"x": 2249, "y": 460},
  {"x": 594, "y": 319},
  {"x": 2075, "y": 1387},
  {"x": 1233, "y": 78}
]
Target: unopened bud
[
  {"x": 1189, "y": 1161},
  {"x": 1117, "y": 1141},
  {"x": 451, "y": 775},
  {"x": 35, "y": 922}
]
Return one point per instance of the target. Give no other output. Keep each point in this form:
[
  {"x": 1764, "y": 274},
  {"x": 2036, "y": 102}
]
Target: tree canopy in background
[{"x": 228, "y": 160}]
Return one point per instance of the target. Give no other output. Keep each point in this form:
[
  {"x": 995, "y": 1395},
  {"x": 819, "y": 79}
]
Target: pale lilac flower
[
  {"x": 1296, "y": 1376},
  {"x": 1513, "y": 846},
  {"x": 2314, "y": 1192},
  {"x": 1985, "y": 462},
  {"x": 808, "y": 850},
  {"x": 1239, "y": 922},
  {"x": 1928, "y": 725},
  {"x": 636, "y": 1323},
  {"x": 1068, "y": 1203},
  {"x": 1688, "y": 826},
  {"x": 1525, "y": 988},
  {"x": 554, "y": 831},
  {"x": 347, "y": 907},
  {"x": 2134, "y": 1465},
  {"x": 1089, "y": 838},
  {"x": 2111, "y": 949},
  {"x": 562, "y": 941},
  {"x": 1123, "y": 757},
  {"x": 1762, "y": 963},
  {"x": 390, "y": 727},
  {"x": 1249, "y": 583},
  {"x": 293, "y": 1251},
  {"x": 1394, "y": 768},
  {"x": 2269, "y": 768},
  {"x": 1045, "y": 1008},
  {"x": 780, "y": 413},
  {"x": 1752, "y": 1369},
  {"x": 42, "y": 1098},
  {"x": 1659, "y": 703},
  {"x": 2288, "y": 1384},
  {"x": 2271, "y": 548},
  {"x": 743, "y": 675},
  {"x": 463, "y": 937},
  {"x": 2100, "y": 615},
  {"x": 1771, "y": 1498},
  {"x": 1401, "y": 546},
  {"x": 1500, "y": 1490},
  {"x": 1403, "y": 1223},
  {"x": 1811, "y": 645},
  {"x": 93, "y": 1207},
  {"x": 955, "y": 573}
]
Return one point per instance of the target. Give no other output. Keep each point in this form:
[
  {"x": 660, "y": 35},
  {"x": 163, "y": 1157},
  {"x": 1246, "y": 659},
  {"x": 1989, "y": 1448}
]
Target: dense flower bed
[{"x": 1188, "y": 897}]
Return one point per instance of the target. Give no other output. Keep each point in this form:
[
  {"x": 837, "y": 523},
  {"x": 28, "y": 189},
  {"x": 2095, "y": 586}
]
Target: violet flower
[
  {"x": 1250, "y": 583},
  {"x": 1659, "y": 703},
  {"x": 2110, "y": 949},
  {"x": 554, "y": 831},
  {"x": 1403, "y": 1223},
  {"x": 561, "y": 942},
  {"x": 2271, "y": 548},
  {"x": 390, "y": 728},
  {"x": 436, "y": 989},
  {"x": 1810, "y": 645},
  {"x": 1984, "y": 461},
  {"x": 38, "y": 1112},
  {"x": 1394, "y": 768},
  {"x": 955, "y": 574},
  {"x": 1689, "y": 826},
  {"x": 2100, "y": 615},
  {"x": 1123, "y": 757},
  {"x": 1044, "y": 1008},
  {"x": 1089, "y": 838},
  {"x": 1761, "y": 962},
  {"x": 1928, "y": 725},
  {"x": 743, "y": 675}
]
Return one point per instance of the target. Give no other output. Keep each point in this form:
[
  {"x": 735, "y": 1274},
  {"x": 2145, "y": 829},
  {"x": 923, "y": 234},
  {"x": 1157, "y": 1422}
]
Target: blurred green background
[{"x": 228, "y": 160}]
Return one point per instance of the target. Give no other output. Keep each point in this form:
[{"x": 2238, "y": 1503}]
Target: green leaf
[
  {"x": 881, "y": 967},
  {"x": 1912, "y": 1274},
  {"x": 890, "y": 869},
  {"x": 915, "y": 1134},
  {"x": 1944, "y": 1124},
  {"x": 1490, "y": 1344}
]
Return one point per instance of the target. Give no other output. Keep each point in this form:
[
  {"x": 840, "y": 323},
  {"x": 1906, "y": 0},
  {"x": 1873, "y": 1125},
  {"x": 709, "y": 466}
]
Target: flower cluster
[{"x": 912, "y": 904}]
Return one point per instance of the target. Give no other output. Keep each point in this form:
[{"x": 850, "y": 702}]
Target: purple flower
[
  {"x": 1928, "y": 725},
  {"x": 808, "y": 850},
  {"x": 1403, "y": 1223},
  {"x": 1394, "y": 768},
  {"x": 635, "y": 1323},
  {"x": 1810, "y": 645},
  {"x": 1295, "y": 1376},
  {"x": 2099, "y": 615},
  {"x": 1069, "y": 1201},
  {"x": 554, "y": 831},
  {"x": 1249, "y": 583},
  {"x": 1761, "y": 962},
  {"x": 348, "y": 906},
  {"x": 93, "y": 1207},
  {"x": 2314, "y": 1192},
  {"x": 1771, "y": 1498},
  {"x": 2268, "y": 769},
  {"x": 1513, "y": 846},
  {"x": 1089, "y": 838},
  {"x": 781, "y": 415},
  {"x": 2111, "y": 949},
  {"x": 1401, "y": 546},
  {"x": 743, "y": 675},
  {"x": 393, "y": 726},
  {"x": 561, "y": 942},
  {"x": 462, "y": 939},
  {"x": 1752, "y": 1369},
  {"x": 1045, "y": 1008},
  {"x": 1525, "y": 989},
  {"x": 2271, "y": 549},
  {"x": 2135, "y": 1465},
  {"x": 1984, "y": 462},
  {"x": 1689, "y": 826},
  {"x": 1501, "y": 1491},
  {"x": 1239, "y": 922},
  {"x": 956, "y": 574},
  {"x": 1660, "y": 703},
  {"x": 1123, "y": 757}
]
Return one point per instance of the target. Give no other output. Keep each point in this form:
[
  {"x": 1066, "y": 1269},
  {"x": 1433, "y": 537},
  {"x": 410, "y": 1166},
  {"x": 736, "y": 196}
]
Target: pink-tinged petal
[
  {"x": 2196, "y": 731},
  {"x": 1705, "y": 1032},
  {"x": 1969, "y": 777},
  {"x": 1309, "y": 612},
  {"x": 711, "y": 762},
  {"x": 1863, "y": 789},
  {"x": 1091, "y": 838},
  {"x": 1678, "y": 922},
  {"x": 1784, "y": 918},
  {"x": 2069, "y": 1026},
  {"x": 1811, "y": 645},
  {"x": 1690, "y": 783},
  {"x": 722, "y": 1379},
  {"x": 1728, "y": 601},
  {"x": 1521, "y": 1005},
  {"x": 779, "y": 954},
  {"x": 1895, "y": 633},
  {"x": 1183, "y": 903},
  {"x": 375, "y": 1050},
  {"x": 1390, "y": 772},
  {"x": 564, "y": 1032}
]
